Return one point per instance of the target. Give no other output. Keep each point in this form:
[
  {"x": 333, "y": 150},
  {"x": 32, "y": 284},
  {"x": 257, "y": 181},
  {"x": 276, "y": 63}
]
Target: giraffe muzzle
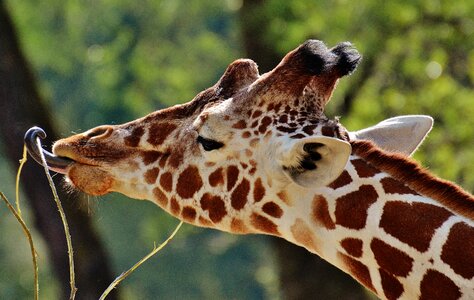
[{"x": 33, "y": 145}]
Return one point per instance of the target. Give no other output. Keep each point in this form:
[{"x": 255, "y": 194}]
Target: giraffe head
[{"x": 211, "y": 160}]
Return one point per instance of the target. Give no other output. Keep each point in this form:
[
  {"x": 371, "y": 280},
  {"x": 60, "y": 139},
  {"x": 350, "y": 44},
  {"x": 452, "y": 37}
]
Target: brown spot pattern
[
  {"x": 176, "y": 158},
  {"x": 352, "y": 246},
  {"x": 264, "y": 123},
  {"x": 252, "y": 162},
  {"x": 238, "y": 198},
  {"x": 283, "y": 197},
  {"x": 328, "y": 131},
  {"x": 272, "y": 209},
  {"x": 240, "y": 124},
  {"x": 391, "y": 259},
  {"x": 392, "y": 288},
  {"x": 320, "y": 212},
  {"x": 256, "y": 114},
  {"x": 343, "y": 180},
  {"x": 160, "y": 197},
  {"x": 134, "y": 138},
  {"x": 216, "y": 178},
  {"x": 263, "y": 224},
  {"x": 413, "y": 223},
  {"x": 298, "y": 136},
  {"x": 301, "y": 120},
  {"x": 363, "y": 169},
  {"x": 286, "y": 129},
  {"x": 277, "y": 107},
  {"x": 358, "y": 270},
  {"x": 151, "y": 175},
  {"x": 303, "y": 234},
  {"x": 283, "y": 119},
  {"x": 189, "y": 182},
  {"x": 232, "y": 175},
  {"x": 413, "y": 175},
  {"x": 351, "y": 209},
  {"x": 149, "y": 157},
  {"x": 159, "y": 132},
  {"x": 204, "y": 222},
  {"x": 175, "y": 207},
  {"x": 237, "y": 226},
  {"x": 309, "y": 129},
  {"x": 458, "y": 251},
  {"x": 252, "y": 171},
  {"x": 166, "y": 181},
  {"x": 215, "y": 207},
  {"x": 189, "y": 214},
  {"x": 163, "y": 160},
  {"x": 258, "y": 190},
  {"x": 392, "y": 186},
  {"x": 254, "y": 142},
  {"x": 436, "y": 285}
]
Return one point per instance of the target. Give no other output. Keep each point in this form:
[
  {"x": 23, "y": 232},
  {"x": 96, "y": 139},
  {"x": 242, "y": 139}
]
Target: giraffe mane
[{"x": 416, "y": 177}]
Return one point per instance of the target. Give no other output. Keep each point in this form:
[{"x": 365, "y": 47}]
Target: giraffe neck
[
  {"x": 390, "y": 229},
  {"x": 392, "y": 236}
]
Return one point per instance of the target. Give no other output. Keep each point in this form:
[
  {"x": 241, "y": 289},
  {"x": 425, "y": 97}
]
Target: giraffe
[{"x": 256, "y": 154}]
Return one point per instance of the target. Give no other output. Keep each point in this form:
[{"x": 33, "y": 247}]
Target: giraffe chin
[{"x": 90, "y": 179}]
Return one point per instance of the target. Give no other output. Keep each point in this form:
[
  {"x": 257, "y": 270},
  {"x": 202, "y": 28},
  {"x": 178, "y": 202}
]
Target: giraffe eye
[{"x": 208, "y": 144}]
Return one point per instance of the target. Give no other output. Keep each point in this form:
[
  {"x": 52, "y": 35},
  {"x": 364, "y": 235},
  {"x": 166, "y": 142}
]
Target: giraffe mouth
[{"x": 33, "y": 145}]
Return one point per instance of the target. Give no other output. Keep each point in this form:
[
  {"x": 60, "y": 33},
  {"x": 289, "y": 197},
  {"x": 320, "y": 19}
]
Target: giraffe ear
[
  {"x": 402, "y": 134},
  {"x": 314, "y": 161}
]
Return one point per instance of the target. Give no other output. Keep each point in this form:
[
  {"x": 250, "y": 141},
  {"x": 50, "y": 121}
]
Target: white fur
[
  {"x": 401, "y": 134},
  {"x": 334, "y": 156}
]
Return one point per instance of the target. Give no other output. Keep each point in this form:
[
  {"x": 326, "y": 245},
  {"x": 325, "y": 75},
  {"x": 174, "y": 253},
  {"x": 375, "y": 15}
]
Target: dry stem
[
  {"x": 65, "y": 224},
  {"x": 27, "y": 233},
  {"x": 17, "y": 185},
  {"x": 129, "y": 271}
]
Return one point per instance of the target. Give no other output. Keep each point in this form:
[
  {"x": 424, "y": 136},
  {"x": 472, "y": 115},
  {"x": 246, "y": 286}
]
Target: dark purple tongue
[{"x": 55, "y": 163}]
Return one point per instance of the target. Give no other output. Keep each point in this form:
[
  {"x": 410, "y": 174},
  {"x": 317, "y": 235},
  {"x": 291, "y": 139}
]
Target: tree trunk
[
  {"x": 21, "y": 108},
  {"x": 303, "y": 275}
]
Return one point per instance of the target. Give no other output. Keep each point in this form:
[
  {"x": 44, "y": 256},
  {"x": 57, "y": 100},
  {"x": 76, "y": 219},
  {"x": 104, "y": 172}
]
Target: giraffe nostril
[{"x": 99, "y": 132}]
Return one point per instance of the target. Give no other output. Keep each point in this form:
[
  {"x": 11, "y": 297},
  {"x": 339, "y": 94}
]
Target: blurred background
[{"x": 68, "y": 66}]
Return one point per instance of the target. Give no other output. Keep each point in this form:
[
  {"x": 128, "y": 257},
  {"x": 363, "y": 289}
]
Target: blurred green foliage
[
  {"x": 106, "y": 61},
  {"x": 111, "y": 61}
]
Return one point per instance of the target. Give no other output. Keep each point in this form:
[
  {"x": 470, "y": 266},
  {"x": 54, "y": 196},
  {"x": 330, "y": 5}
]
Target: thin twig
[
  {"x": 129, "y": 271},
  {"x": 27, "y": 233},
  {"x": 65, "y": 224},
  {"x": 17, "y": 185}
]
